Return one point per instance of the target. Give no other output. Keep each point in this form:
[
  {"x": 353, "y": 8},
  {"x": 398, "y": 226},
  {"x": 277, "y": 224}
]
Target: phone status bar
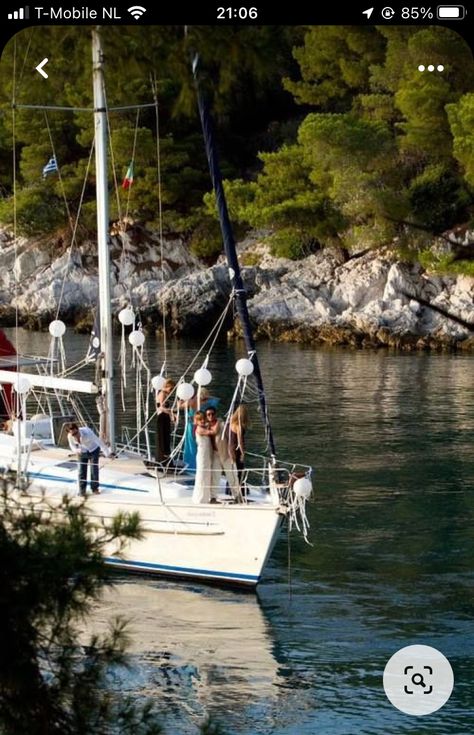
[{"x": 236, "y": 13}]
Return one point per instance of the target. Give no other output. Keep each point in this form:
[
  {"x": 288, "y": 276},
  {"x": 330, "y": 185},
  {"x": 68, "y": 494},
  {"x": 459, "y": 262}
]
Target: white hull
[{"x": 224, "y": 542}]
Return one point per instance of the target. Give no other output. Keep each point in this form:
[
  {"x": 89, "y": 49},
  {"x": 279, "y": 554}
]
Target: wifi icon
[{"x": 137, "y": 11}]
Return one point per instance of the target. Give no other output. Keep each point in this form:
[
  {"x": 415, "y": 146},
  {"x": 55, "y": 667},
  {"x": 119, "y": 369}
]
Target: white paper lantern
[
  {"x": 244, "y": 367},
  {"x": 185, "y": 391},
  {"x": 21, "y": 385},
  {"x": 136, "y": 338},
  {"x": 57, "y": 328},
  {"x": 126, "y": 316},
  {"x": 202, "y": 376},
  {"x": 158, "y": 382},
  {"x": 303, "y": 488}
]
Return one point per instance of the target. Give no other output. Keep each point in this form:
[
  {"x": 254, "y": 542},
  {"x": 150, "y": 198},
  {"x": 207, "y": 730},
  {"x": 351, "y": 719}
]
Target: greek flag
[{"x": 51, "y": 167}]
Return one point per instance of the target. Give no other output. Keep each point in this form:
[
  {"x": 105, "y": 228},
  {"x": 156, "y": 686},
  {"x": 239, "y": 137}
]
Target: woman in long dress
[
  {"x": 222, "y": 461},
  {"x": 203, "y": 479},
  {"x": 164, "y": 417},
  {"x": 238, "y": 425}
]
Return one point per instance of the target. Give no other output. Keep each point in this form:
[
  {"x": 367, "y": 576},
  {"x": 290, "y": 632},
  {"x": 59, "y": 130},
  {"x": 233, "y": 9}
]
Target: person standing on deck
[
  {"x": 203, "y": 479},
  {"x": 199, "y": 402},
  {"x": 238, "y": 425},
  {"x": 87, "y": 446},
  {"x": 221, "y": 459},
  {"x": 164, "y": 417}
]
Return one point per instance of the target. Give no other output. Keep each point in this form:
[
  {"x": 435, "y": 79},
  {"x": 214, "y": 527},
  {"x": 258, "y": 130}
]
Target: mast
[
  {"x": 100, "y": 137},
  {"x": 231, "y": 253}
]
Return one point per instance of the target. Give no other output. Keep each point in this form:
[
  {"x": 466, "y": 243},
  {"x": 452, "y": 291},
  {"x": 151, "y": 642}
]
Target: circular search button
[{"x": 418, "y": 680}]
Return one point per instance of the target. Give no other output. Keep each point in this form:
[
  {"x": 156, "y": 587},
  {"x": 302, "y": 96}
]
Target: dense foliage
[
  {"x": 386, "y": 153},
  {"x": 53, "y": 678},
  {"x": 243, "y": 70},
  {"x": 328, "y": 135}
]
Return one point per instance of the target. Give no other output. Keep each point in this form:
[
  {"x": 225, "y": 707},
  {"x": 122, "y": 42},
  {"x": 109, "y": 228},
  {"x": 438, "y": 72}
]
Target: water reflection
[{"x": 195, "y": 650}]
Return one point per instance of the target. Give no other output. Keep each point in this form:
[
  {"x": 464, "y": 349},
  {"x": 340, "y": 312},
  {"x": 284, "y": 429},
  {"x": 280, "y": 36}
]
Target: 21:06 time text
[{"x": 240, "y": 13}]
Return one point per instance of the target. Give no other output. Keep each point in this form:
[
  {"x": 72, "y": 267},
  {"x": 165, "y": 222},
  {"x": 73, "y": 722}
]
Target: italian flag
[{"x": 128, "y": 180}]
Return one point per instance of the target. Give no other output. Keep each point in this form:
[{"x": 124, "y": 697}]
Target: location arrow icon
[
  {"x": 40, "y": 69},
  {"x": 368, "y": 12}
]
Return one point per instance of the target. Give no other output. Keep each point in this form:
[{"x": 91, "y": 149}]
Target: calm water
[{"x": 390, "y": 438}]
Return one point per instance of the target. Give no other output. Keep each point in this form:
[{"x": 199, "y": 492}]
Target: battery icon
[{"x": 451, "y": 12}]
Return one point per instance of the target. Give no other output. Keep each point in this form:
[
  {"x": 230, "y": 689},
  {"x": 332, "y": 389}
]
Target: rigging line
[
  {"x": 74, "y": 226},
  {"x": 15, "y": 238},
  {"x": 54, "y": 107},
  {"x": 74, "y": 368},
  {"x": 121, "y": 222},
  {"x": 25, "y": 57},
  {"x": 81, "y": 109},
  {"x": 114, "y": 169},
  {"x": 216, "y": 328},
  {"x": 154, "y": 87},
  {"x": 129, "y": 191},
  {"x": 132, "y": 107},
  {"x": 63, "y": 192}
]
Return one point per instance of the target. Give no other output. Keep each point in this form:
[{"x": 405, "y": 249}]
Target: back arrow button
[{"x": 40, "y": 69}]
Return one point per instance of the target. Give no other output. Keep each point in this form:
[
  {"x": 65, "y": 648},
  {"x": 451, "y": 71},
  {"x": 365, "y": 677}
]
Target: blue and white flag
[{"x": 51, "y": 167}]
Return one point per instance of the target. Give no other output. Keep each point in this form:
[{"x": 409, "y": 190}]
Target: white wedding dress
[{"x": 203, "y": 481}]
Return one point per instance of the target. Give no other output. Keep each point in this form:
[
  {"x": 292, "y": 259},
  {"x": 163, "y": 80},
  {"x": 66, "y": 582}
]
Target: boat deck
[{"x": 126, "y": 478}]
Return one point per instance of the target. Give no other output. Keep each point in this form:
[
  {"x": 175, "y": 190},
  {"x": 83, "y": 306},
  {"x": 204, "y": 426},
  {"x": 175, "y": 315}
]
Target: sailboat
[{"x": 225, "y": 541}]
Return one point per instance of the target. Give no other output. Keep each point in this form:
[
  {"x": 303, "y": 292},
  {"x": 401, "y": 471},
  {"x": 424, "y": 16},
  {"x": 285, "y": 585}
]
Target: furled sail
[{"x": 230, "y": 251}]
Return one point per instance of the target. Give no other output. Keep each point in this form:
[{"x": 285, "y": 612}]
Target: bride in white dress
[{"x": 204, "y": 456}]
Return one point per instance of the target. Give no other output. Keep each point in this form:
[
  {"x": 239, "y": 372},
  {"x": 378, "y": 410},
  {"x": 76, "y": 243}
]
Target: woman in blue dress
[{"x": 190, "y": 446}]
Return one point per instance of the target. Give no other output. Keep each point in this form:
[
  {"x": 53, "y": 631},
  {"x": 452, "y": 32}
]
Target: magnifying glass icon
[{"x": 418, "y": 680}]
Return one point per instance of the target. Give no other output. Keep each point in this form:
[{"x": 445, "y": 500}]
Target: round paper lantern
[
  {"x": 126, "y": 316},
  {"x": 303, "y": 488},
  {"x": 21, "y": 385},
  {"x": 57, "y": 328},
  {"x": 158, "y": 382},
  {"x": 136, "y": 338},
  {"x": 244, "y": 367},
  {"x": 185, "y": 391},
  {"x": 202, "y": 376}
]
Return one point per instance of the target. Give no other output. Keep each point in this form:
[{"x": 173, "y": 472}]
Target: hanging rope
[
  {"x": 15, "y": 227},
  {"x": 66, "y": 203},
  {"x": 129, "y": 190},
  {"x": 25, "y": 57},
  {"x": 112, "y": 162},
  {"x": 74, "y": 224},
  {"x": 154, "y": 86}
]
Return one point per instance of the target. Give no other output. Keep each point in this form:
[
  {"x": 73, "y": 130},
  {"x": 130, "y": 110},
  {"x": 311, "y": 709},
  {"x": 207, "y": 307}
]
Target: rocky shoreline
[{"x": 327, "y": 298}]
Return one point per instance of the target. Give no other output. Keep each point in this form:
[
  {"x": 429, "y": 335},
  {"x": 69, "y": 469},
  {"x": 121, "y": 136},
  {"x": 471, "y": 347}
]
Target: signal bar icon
[{"x": 20, "y": 14}]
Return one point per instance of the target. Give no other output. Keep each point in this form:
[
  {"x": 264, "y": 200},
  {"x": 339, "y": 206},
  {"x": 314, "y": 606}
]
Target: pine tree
[{"x": 51, "y": 573}]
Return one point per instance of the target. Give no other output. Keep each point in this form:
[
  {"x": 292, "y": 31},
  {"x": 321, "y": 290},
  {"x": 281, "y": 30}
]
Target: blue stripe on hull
[
  {"x": 56, "y": 478},
  {"x": 141, "y": 566}
]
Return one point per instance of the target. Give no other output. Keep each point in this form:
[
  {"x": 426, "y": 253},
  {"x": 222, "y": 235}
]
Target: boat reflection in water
[{"x": 194, "y": 650}]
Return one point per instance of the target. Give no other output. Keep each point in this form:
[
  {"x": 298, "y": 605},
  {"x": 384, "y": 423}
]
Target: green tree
[
  {"x": 51, "y": 573},
  {"x": 335, "y": 63},
  {"x": 241, "y": 68},
  {"x": 461, "y": 120},
  {"x": 286, "y": 200},
  {"x": 375, "y": 160}
]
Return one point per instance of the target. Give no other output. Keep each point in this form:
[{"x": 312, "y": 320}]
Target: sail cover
[{"x": 6, "y": 350}]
